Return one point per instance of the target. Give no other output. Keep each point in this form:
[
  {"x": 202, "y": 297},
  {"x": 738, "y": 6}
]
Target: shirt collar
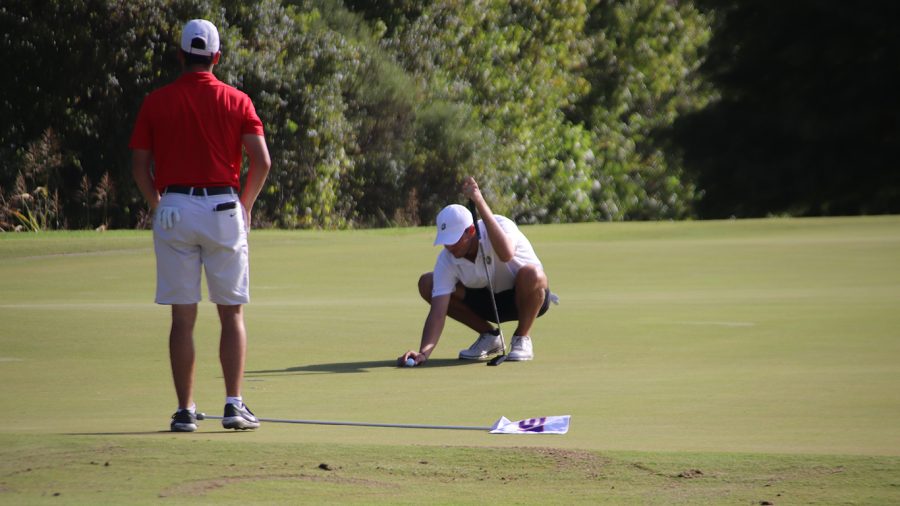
[{"x": 198, "y": 77}]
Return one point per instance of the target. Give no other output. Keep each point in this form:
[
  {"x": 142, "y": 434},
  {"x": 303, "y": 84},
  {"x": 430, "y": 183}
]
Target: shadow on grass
[
  {"x": 152, "y": 432},
  {"x": 357, "y": 367}
]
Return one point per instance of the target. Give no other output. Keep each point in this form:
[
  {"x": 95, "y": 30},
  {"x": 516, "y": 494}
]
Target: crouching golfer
[
  {"x": 192, "y": 132},
  {"x": 458, "y": 286}
]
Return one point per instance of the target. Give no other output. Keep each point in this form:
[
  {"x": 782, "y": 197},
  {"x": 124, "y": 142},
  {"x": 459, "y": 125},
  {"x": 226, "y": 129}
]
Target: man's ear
[{"x": 215, "y": 60}]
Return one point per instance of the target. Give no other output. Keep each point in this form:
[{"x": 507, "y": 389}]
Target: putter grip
[{"x": 474, "y": 218}]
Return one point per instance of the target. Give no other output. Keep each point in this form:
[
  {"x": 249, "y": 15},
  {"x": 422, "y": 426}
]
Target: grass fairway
[{"x": 728, "y": 362}]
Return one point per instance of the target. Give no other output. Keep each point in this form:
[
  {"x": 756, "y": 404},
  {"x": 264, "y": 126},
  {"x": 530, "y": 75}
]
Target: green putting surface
[{"x": 681, "y": 340}]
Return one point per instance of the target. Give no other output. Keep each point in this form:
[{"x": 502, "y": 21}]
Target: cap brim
[{"x": 447, "y": 237}]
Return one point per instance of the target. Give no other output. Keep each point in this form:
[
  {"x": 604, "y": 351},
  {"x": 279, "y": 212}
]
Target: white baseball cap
[
  {"x": 203, "y": 30},
  {"x": 452, "y": 221}
]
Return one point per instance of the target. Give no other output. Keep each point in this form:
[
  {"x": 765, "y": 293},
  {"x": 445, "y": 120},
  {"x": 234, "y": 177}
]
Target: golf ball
[{"x": 410, "y": 362}]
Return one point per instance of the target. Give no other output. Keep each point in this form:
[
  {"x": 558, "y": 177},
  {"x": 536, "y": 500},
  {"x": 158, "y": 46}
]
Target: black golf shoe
[{"x": 184, "y": 421}]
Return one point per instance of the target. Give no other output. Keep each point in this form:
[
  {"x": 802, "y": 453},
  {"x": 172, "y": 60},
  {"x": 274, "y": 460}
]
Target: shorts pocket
[{"x": 230, "y": 222}]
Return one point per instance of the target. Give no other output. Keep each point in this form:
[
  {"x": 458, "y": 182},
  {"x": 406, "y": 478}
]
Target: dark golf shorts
[{"x": 479, "y": 300}]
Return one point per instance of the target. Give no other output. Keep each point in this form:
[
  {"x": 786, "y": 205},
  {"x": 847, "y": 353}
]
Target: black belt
[{"x": 200, "y": 190}]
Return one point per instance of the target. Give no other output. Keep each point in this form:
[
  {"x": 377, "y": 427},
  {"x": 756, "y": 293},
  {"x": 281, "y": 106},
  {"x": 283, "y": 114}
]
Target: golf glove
[{"x": 168, "y": 216}]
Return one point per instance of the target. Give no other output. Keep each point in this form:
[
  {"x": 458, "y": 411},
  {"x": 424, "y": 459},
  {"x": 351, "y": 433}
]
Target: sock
[
  {"x": 237, "y": 401},
  {"x": 192, "y": 408}
]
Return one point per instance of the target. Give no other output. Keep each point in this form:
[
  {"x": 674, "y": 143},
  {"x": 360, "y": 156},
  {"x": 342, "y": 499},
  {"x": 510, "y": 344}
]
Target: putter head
[
  {"x": 201, "y": 416},
  {"x": 499, "y": 359}
]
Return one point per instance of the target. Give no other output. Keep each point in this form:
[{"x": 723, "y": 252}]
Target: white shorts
[{"x": 215, "y": 240}]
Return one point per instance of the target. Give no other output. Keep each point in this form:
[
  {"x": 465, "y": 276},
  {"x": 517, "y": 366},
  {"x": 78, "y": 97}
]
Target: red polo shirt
[{"x": 193, "y": 127}]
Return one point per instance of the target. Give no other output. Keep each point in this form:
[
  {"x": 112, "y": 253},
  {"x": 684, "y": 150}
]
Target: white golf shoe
[
  {"x": 486, "y": 345},
  {"x": 239, "y": 417},
  {"x": 521, "y": 349}
]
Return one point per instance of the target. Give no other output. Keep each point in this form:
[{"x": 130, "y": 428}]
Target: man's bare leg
[
  {"x": 531, "y": 288},
  {"x": 232, "y": 347},
  {"x": 181, "y": 352}
]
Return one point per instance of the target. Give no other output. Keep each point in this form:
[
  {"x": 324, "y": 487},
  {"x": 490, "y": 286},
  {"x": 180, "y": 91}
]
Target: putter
[
  {"x": 499, "y": 359},
  {"x": 203, "y": 416}
]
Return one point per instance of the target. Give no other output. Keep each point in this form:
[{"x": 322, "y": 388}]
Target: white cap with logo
[
  {"x": 452, "y": 221},
  {"x": 204, "y": 31}
]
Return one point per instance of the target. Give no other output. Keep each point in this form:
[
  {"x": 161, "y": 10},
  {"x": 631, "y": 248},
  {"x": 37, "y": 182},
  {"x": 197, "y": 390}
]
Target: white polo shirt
[{"x": 449, "y": 270}]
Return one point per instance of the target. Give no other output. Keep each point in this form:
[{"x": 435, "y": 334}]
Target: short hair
[{"x": 197, "y": 59}]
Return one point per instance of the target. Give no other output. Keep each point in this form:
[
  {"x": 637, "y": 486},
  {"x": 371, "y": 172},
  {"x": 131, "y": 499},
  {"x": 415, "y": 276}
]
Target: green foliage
[
  {"x": 448, "y": 142},
  {"x": 642, "y": 72},
  {"x": 373, "y": 112},
  {"x": 569, "y": 96},
  {"x": 34, "y": 203},
  {"x": 510, "y": 63},
  {"x": 294, "y": 67},
  {"x": 82, "y": 68}
]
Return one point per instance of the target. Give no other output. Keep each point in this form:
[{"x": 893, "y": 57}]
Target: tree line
[{"x": 565, "y": 110}]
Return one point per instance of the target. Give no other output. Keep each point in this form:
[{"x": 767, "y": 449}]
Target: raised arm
[{"x": 504, "y": 248}]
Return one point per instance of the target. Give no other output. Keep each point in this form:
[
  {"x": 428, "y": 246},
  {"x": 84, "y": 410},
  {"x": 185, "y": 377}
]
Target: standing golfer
[
  {"x": 191, "y": 133},
  {"x": 458, "y": 286}
]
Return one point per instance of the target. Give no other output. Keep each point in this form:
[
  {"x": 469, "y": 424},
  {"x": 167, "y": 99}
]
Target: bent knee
[
  {"x": 531, "y": 276},
  {"x": 426, "y": 284}
]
